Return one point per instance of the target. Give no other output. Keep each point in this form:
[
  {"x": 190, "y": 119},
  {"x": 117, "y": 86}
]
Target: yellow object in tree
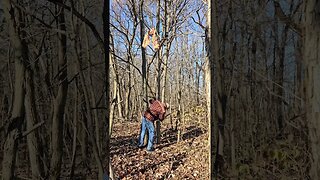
[
  {"x": 146, "y": 41},
  {"x": 155, "y": 39}
]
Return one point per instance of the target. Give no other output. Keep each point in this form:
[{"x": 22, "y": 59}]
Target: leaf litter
[{"x": 187, "y": 159}]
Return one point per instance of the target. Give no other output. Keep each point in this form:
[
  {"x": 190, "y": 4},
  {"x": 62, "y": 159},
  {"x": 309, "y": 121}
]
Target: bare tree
[
  {"x": 14, "y": 125},
  {"x": 210, "y": 37},
  {"x": 106, "y": 34},
  {"x": 60, "y": 99},
  {"x": 32, "y": 118},
  {"x": 311, "y": 58}
]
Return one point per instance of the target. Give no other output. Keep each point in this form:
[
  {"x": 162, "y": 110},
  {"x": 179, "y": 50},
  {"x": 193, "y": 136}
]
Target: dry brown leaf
[{"x": 146, "y": 40}]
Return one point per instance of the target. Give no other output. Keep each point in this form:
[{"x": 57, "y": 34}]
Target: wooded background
[{"x": 246, "y": 72}]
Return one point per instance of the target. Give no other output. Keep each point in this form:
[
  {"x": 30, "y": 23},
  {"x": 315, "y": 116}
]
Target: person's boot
[{"x": 150, "y": 150}]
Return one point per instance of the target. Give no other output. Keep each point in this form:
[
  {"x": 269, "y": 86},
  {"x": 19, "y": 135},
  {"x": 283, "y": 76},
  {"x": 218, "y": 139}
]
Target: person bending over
[{"x": 155, "y": 111}]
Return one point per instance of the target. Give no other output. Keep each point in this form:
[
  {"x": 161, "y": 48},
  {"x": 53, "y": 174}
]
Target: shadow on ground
[
  {"x": 128, "y": 144},
  {"x": 132, "y": 162},
  {"x": 176, "y": 161},
  {"x": 170, "y": 136},
  {"x": 123, "y": 145}
]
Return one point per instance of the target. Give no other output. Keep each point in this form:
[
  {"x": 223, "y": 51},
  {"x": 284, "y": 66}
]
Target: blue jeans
[{"x": 146, "y": 124}]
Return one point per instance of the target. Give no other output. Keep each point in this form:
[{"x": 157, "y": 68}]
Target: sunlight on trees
[{"x": 241, "y": 79}]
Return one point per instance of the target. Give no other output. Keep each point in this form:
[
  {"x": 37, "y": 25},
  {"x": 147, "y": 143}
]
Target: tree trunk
[
  {"x": 128, "y": 93},
  {"x": 113, "y": 102},
  {"x": 222, "y": 98},
  {"x": 198, "y": 75},
  {"x": 144, "y": 60},
  {"x": 88, "y": 105},
  {"x": 59, "y": 100},
  {"x": 119, "y": 107},
  {"x": 13, "y": 18},
  {"x": 144, "y": 66},
  {"x": 299, "y": 84},
  {"x": 84, "y": 138},
  {"x": 159, "y": 73},
  {"x": 32, "y": 118},
  {"x": 75, "y": 133},
  {"x": 166, "y": 55},
  {"x": 91, "y": 88},
  {"x": 312, "y": 81},
  {"x": 170, "y": 108},
  {"x": 106, "y": 33},
  {"x": 115, "y": 87},
  {"x": 180, "y": 110},
  {"x": 232, "y": 136},
  {"x": 281, "y": 55},
  {"x": 209, "y": 80}
]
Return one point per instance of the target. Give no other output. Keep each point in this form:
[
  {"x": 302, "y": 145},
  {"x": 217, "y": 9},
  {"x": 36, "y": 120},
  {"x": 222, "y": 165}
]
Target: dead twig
[{"x": 32, "y": 129}]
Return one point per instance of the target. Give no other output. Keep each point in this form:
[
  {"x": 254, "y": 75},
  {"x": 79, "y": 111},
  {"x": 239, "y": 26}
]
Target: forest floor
[
  {"x": 283, "y": 159},
  {"x": 286, "y": 158},
  {"x": 187, "y": 159}
]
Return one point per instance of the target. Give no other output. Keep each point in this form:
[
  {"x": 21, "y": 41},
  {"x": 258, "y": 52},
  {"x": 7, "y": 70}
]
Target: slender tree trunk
[
  {"x": 299, "y": 84},
  {"x": 119, "y": 107},
  {"x": 281, "y": 55},
  {"x": 32, "y": 115},
  {"x": 113, "y": 103},
  {"x": 93, "y": 98},
  {"x": 84, "y": 138},
  {"x": 159, "y": 73},
  {"x": 198, "y": 74},
  {"x": 128, "y": 93},
  {"x": 32, "y": 118},
  {"x": 144, "y": 60},
  {"x": 106, "y": 34},
  {"x": 144, "y": 66},
  {"x": 232, "y": 135},
  {"x": 222, "y": 98},
  {"x": 278, "y": 117},
  {"x": 75, "y": 133},
  {"x": 90, "y": 118},
  {"x": 60, "y": 100},
  {"x": 209, "y": 79},
  {"x": 158, "y": 79},
  {"x": 115, "y": 88},
  {"x": 167, "y": 50},
  {"x": 180, "y": 110},
  {"x": 312, "y": 81},
  {"x": 170, "y": 108},
  {"x": 13, "y": 18}
]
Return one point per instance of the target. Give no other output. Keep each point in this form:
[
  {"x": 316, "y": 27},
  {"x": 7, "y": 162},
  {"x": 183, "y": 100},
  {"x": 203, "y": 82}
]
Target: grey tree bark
[
  {"x": 88, "y": 104},
  {"x": 159, "y": 73},
  {"x": 32, "y": 118},
  {"x": 60, "y": 99},
  {"x": 144, "y": 65},
  {"x": 312, "y": 81},
  {"x": 221, "y": 94},
  {"x": 106, "y": 40},
  {"x": 209, "y": 80},
  {"x": 115, "y": 87},
  {"x": 13, "y": 17}
]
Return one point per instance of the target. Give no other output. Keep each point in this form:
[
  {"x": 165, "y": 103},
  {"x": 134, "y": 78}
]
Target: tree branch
[
  {"x": 32, "y": 129},
  {"x": 120, "y": 58},
  {"x": 199, "y": 19},
  {"x": 286, "y": 19},
  {"x": 84, "y": 19}
]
